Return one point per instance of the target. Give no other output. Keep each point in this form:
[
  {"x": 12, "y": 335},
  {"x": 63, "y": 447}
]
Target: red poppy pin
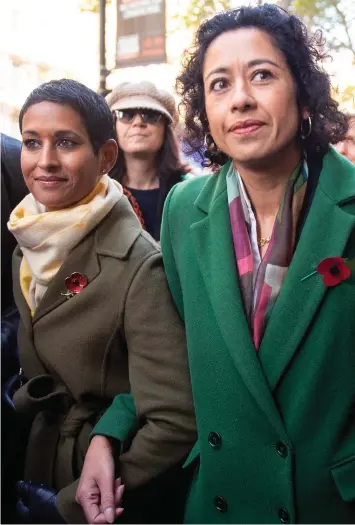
[
  {"x": 75, "y": 283},
  {"x": 334, "y": 270}
]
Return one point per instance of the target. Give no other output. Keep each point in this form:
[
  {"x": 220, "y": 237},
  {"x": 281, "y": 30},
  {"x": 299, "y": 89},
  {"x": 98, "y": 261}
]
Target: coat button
[
  {"x": 215, "y": 440},
  {"x": 281, "y": 449},
  {"x": 221, "y": 504},
  {"x": 284, "y": 516}
]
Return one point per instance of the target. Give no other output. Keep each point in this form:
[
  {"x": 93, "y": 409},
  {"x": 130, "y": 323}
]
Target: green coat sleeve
[
  {"x": 168, "y": 254},
  {"x": 119, "y": 421}
]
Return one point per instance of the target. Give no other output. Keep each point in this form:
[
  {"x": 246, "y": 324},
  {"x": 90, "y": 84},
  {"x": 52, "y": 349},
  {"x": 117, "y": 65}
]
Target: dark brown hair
[
  {"x": 169, "y": 165},
  {"x": 170, "y": 169}
]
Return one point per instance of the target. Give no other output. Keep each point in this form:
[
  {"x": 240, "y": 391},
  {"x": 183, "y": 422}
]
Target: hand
[
  {"x": 36, "y": 504},
  {"x": 98, "y": 492}
]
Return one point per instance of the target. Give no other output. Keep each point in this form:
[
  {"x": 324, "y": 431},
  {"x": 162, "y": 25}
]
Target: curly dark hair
[{"x": 303, "y": 54}]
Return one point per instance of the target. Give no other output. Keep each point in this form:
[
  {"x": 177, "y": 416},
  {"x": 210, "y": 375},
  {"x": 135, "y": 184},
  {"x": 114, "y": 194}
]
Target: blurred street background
[{"x": 103, "y": 43}]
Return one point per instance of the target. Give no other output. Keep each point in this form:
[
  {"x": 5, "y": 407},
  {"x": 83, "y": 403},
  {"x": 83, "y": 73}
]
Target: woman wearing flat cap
[{"x": 148, "y": 163}]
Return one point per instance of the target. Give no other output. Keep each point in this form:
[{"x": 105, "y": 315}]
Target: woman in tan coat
[{"x": 97, "y": 318}]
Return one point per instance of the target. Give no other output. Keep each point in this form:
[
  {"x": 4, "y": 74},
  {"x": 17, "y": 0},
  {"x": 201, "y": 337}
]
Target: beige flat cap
[{"x": 144, "y": 95}]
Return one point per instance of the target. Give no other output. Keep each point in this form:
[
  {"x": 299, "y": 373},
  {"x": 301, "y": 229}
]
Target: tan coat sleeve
[{"x": 159, "y": 377}]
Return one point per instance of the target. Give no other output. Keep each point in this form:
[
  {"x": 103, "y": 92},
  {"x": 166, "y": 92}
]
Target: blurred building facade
[
  {"x": 41, "y": 40},
  {"x": 45, "y": 39}
]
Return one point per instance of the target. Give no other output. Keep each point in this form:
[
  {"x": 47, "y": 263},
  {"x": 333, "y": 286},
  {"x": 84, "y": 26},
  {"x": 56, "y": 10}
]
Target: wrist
[
  {"x": 101, "y": 440},
  {"x": 107, "y": 442}
]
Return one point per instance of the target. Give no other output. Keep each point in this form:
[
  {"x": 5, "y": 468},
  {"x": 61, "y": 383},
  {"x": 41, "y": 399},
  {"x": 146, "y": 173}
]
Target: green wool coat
[{"x": 276, "y": 429}]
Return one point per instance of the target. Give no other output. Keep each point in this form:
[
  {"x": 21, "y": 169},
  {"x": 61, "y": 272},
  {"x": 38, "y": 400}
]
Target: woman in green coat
[{"x": 260, "y": 261}]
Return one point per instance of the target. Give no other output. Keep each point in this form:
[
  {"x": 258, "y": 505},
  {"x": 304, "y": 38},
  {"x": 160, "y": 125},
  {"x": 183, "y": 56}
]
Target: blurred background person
[
  {"x": 13, "y": 190},
  {"x": 148, "y": 163},
  {"x": 195, "y": 159},
  {"x": 97, "y": 318},
  {"x": 347, "y": 146}
]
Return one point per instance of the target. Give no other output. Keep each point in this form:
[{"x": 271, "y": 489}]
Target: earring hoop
[{"x": 306, "y": 135}]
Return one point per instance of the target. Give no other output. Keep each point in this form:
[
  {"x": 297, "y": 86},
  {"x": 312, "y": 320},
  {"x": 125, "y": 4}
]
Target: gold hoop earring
[{"x": 306, "y": 135}]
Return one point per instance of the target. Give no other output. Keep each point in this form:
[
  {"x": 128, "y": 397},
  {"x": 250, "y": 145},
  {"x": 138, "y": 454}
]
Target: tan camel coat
[{"x": 121, "y": 333}]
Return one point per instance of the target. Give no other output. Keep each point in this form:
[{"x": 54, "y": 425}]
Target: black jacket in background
[
  {"x": 14, "y": 431},
  {"x": 13, "y": 190}
]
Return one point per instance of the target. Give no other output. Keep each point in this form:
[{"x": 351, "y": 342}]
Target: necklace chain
[{"x": 263, "y": 240}]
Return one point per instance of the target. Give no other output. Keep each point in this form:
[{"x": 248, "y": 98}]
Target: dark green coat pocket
[{"x": 344, "y": 476}]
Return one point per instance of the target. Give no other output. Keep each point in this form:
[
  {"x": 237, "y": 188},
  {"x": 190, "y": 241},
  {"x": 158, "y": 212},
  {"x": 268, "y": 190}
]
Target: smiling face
[
  {"x": 250, "y": 98},
  {"x": 57, "y": 159},
  {"x": 139, "y": 137}
]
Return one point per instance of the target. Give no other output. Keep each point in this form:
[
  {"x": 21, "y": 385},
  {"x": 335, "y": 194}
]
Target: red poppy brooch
[
  {"x": 333, "y": 270},
  {"x": 75, "y": 283}
]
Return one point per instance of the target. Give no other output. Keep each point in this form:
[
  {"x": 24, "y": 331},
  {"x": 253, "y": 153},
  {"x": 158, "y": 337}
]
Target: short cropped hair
[{"x": 92, "y": 108}]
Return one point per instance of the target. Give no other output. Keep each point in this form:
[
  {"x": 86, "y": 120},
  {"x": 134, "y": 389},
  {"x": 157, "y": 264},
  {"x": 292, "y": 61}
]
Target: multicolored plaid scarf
[{"x": 261, "y": 279}]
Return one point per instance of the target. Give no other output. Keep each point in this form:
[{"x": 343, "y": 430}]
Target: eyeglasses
[{"x": 149, "y": 116}]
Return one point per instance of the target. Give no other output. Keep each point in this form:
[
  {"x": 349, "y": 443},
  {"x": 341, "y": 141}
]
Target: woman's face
[
  {"x": 250, "y": 97},
  {"x": 347, "y": 146},
  {"x": 57, "y": 158},
  {"x": 138, "y": 137}
]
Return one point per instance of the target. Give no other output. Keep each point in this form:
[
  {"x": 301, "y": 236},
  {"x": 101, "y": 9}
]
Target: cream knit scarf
[{"x": 46, "y": 238}]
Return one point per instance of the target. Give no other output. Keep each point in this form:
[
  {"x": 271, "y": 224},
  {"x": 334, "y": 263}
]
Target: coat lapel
[
  {"x": 107, "y": 239},
  {"x": 325, "y": 234},
  {"x": 84, "y": 260},
  {"x": 213, "y": 243}
]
